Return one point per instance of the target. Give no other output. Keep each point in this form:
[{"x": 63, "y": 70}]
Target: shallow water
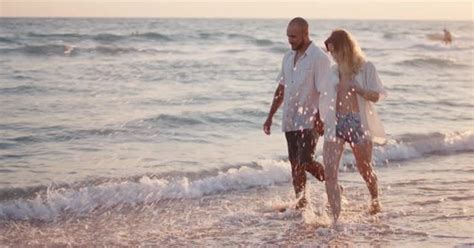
[
  {"x": 423, "y": 205},
  {"x": 145, "y": 131}
]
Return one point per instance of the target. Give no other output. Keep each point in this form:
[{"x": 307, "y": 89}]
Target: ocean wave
[
  {"x": 103, "y": 37},
  {"x": 69, "y": 50},
  {"x": 238, "y": 116},
  {"x": 6, "y": 145},
  {"x": 191, "y": 100},
  {"x": 439, "y": 47},
  {"x": 7, "y": 40},
  {"x": 55, "y": 35},
  {"x": 49, "y": 203},
  {"x": 210, "y": 35},
  {"x": 234, "y": 36},
  {"x": 58, "y": 134},
  {"x": 153, "y": 36},
  {"x": 430, "y": 47},
  {"x": 105, "y": 50},
  {"x": 7, "y": 194},
  {"x": 249, "y": 112},
  {"x": 412, "y": 146},
  {"x": 142, "y": 128},
  {"x": 432, "y": 62},
  {"x": 51, "y": 49},
  {"x": 393, "y": 35},
  {"x": 279, "y": 49},
  {"x": 390, "y": 73},
  {"x": 232, "y": 51},
  {"x": 23, "y": 89},
  {"x": 455, "y": 103},
  {"x": 263, "y": 42},
  {"x": 81, "y": 198},
  {"x": 107, "y": 37},
  {"x": 171, "y": 121},
  {"x": 251, "y": 39}
]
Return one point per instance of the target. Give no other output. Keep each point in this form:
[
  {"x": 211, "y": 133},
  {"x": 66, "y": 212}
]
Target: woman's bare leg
[
  {"x": 332, "y": 152},
  {"x": 363, "y": 155}
]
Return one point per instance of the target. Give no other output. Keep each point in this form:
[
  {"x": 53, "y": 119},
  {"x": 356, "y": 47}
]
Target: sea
[{"x": 148, "y": 132}]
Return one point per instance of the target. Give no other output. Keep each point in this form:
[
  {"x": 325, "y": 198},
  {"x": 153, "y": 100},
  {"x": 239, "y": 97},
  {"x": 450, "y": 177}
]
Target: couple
[{"x": 334, "y": 101}]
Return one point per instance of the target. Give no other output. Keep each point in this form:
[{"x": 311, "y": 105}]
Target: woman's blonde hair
[{"x": 348, "y": 53}]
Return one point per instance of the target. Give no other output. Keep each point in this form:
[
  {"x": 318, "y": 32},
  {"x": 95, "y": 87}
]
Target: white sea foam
[
  {"x": 146, "y": 190},
  {"x": 268, "y": 172},
  {"x": 412, "y": 146}
]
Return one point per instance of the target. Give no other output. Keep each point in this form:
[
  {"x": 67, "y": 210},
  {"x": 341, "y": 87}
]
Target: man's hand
[
  {"x": 319, "y": 127},
  {"x": 277, "y": 101},
  {"x": 318, "y": 124},
  {"x": 267, "y": 126}
]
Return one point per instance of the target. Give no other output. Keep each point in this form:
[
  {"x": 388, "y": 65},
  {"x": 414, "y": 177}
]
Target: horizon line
[{"x": 227, "y": 18}]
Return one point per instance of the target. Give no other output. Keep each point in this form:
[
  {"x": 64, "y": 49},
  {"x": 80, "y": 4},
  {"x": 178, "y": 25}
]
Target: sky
[{"x": 315, "y": 9}]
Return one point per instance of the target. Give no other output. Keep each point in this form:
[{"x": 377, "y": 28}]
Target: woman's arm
[
  {"x": 373, "y": 90},
  {"x": 368, "y": 95}
]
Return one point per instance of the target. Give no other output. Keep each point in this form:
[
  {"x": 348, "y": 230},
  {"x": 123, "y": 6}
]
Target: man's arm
[
  {"x": 323, "y": 68},
  {"x": 318, "y": 124},
  {"x": 277, "y": 101}
]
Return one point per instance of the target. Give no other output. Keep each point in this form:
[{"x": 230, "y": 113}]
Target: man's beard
[{"x": 296, "y": 47}]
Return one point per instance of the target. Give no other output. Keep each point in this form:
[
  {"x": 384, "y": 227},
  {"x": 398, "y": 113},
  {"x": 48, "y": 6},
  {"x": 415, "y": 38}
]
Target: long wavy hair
[{"x": 347, "y": 52}]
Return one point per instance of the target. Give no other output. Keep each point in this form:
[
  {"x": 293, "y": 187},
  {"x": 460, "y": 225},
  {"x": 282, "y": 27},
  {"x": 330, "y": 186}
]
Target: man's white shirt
[{"x": 302, "y": 82}]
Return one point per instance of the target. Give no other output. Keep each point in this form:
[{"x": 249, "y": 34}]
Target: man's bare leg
[
  {"x": 316, "y": 169},
  {"x": 299, "y": 182}
]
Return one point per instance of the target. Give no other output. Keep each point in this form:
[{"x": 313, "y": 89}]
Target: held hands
[
  {"x": 318, "y": 124},
  {"x": 319, "y": 127},
  {"x": 267, "y": 126}
]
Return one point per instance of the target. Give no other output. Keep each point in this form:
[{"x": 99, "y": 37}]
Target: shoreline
[{"x": 249, "y": 217}]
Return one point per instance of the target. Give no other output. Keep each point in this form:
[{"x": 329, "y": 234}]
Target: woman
[{"x": 347, "y": 110}]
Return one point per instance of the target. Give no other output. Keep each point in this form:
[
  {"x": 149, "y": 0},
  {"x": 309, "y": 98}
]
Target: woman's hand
[{"x": 368, "y": 95}]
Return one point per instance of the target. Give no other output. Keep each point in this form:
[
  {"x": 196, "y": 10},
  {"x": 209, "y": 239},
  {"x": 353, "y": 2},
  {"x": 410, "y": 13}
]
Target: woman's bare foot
[{"x": 375, "y": 207}]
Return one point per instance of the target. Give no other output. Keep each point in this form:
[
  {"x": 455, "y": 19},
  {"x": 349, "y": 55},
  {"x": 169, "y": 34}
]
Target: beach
[{"x": 130, "y": 132}]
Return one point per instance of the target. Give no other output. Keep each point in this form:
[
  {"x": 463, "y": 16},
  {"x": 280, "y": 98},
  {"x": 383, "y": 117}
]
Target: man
[
  {"x": 304, "y": 70},
  {"x": 447, "y": 37}
]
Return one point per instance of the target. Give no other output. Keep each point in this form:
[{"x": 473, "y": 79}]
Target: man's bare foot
[
  {"x": 301, "y": 204},
  {"x": 375, "y": 207},
  {"x": 281, "y": 210},
  {"x": 319, "y": 172}
]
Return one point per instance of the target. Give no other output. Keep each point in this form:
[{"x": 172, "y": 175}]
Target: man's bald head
[
  {"x": 298, "y": 34},
  {"x": 300, "y": 22}
]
